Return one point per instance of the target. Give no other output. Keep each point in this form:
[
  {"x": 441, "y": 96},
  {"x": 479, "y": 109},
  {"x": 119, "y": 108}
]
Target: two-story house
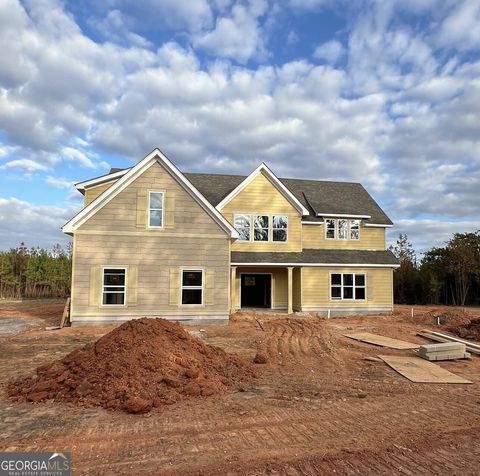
[{"x": 153, "y": 241}]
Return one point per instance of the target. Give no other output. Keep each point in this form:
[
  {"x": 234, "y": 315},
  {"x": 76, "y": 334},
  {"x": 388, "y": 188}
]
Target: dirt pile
[
  {"x": 467, "y": 329},
  {"x": 142, "y": 364}
]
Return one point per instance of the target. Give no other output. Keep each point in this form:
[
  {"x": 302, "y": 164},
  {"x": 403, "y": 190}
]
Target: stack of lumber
[
  {"x": 444, "y": 351},
  {"x": 472, "y": 347}
]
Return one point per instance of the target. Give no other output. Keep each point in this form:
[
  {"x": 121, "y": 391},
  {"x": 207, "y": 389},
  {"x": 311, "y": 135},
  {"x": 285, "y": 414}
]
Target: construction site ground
[{"x": 322, "y": 404}]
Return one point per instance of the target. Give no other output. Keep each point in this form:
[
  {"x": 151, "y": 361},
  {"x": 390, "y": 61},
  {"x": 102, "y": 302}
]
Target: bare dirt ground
[{"x": 317, "y": 407}]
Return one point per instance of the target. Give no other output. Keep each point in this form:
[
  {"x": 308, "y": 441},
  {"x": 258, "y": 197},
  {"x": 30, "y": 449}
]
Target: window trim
[
  {"x": 349, "y": 229},
  {"x": 354, "y": 286},
  {"x": 336, "y": 229},
  {"x": 249, "y": 227},
  {"x": 102, "y": 285},
  {"x": 149, "y": 209},
  {"x": 273, "y": 228},
  {"x": 335, "y": 234},
  {"x": 182, "y": 287},
  {"x": 270, "y": 227}
]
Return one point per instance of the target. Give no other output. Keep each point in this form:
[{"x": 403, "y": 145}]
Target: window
[
  {"x": 354, "y": 229},
  {"x": 192, "y": 287},
  {"x": 280, "y": 227},
  {"x": 330, "y": 229},
  {"x": 347, "y": 286},
  {"x": 155, "y": 209},
  {"x": 242, "y": 225},
  {"x": 113, "y": 288},
  {"x": 342, "y": 229},
  {"x": 260, "y": 232}
]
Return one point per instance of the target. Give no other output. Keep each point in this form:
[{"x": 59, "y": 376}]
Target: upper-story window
[
  {"x": 280, "y": 227},
  {"x": 155, "y": 209},
  {"x": 266, "y": 228},
  {"x": 242, "y": 225},
  {"x": 342, "y": 229},
  {"x": 261, "y": 223}
]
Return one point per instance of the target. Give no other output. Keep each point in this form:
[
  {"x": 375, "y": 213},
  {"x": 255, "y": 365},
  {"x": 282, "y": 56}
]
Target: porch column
[
  {"x": 233, "y": 288},
  {"x": 290, "y": 289}
]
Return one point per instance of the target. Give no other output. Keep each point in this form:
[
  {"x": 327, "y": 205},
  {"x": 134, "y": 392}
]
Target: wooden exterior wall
[
  {"x": 117, "y": 235},
  {"x": 261, "y": 197},
  {"x": 93, "y": 192},
  {"x": 316, "y": 289},
  {"x": 371, "y": 238}
]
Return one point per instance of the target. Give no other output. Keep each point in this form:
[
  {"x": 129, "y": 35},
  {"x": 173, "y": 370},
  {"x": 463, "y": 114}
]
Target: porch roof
[{"x": 317, "y": 257}]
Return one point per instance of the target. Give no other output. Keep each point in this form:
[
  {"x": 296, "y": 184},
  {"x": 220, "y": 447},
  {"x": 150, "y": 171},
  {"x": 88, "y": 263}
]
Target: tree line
[
  {"x": 444, "y": 275},
  {"x": 35, "y": 272}
]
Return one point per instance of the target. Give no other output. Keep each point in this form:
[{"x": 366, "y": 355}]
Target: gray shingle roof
[
  {"x": 316, "y": 195},
  {"x": 316, "y": 256}
]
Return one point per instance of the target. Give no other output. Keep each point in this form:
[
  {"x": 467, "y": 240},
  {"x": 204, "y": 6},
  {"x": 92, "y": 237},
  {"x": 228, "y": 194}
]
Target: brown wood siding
[
  {"x": 316, "y": 288},
  {"x": 370, "y": 239},
  {"x": 93, "y": 192},
  {"x": 153, "y": 258},
  {"x": 261, "y": 196},
  {"x": 120, "y": 214}
]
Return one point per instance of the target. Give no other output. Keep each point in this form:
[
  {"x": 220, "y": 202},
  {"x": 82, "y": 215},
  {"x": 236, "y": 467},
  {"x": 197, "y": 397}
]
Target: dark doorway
[{"x": 256, "y": 290}]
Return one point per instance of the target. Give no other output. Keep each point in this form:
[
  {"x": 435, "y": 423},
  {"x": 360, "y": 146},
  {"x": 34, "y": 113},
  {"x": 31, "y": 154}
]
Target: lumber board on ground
[
  {"x": 418, "y": 370},
  {"x": 382, "y": 340}
]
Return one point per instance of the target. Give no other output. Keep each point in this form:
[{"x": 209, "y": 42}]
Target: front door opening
[{"x": 256, "y": 290}]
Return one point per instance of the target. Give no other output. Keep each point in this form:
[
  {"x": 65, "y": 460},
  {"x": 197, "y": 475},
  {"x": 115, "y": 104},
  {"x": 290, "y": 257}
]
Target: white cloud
[
  {"x": 400, "y": 116},
  {"x": 35, "y": 225},
  {"x": 331, "y": 51},
  {"x": 237, "y": 36},
  {"x": 24, "y": 165},
  {"x": 461, "y": 28},
  {"x": 59, "y": 182}
]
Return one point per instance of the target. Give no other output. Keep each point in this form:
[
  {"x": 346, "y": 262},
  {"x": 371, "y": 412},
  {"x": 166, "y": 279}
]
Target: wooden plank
[
  {"x": 66, "y": 313},
  {"x": 455, "y": 339},
  {"x": 382, "y": 341},
  {"x": 418, "y": 370}
]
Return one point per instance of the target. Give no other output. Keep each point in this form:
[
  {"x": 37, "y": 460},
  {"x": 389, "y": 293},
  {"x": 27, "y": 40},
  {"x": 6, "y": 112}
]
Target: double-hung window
[
  {"x": 260, "y": 232},
  {"x": 354, "y": 229},
  {"x": 113, "y": 286},
  {"x": 342, "y": 229},
  {"x": 242, "y": 225},
  {"x": 347, "y": 286},
  {"x": 192, "y": 286},
  {"x": 155, "y": 209},
  {"x": 279, "y": 227},
  {"x": 330, "y": 229}
]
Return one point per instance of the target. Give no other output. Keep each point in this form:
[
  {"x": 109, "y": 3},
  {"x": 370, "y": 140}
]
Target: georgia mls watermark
[{"x": 35, "y": 464}]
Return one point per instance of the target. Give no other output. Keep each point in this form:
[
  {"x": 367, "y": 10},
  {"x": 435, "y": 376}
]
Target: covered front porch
[{"x": 276, "y": 288}]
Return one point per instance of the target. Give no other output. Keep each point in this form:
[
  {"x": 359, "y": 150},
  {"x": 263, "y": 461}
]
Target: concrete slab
[{"x": 436, "y": 356}]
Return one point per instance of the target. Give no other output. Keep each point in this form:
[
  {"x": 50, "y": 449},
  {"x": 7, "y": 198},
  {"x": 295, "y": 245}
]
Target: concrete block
[
  {"x": 453, "y": 347},
  {"x": 435, "y": 357}
]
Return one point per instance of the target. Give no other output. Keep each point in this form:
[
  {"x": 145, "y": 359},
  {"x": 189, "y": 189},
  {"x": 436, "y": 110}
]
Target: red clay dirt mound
[
  {"x": 142, "y": 364},
  {"x": 467, "y": 329}
]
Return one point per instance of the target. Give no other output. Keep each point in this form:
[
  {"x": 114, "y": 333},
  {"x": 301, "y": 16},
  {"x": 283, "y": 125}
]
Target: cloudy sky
[{"x": 382, "y": 92}]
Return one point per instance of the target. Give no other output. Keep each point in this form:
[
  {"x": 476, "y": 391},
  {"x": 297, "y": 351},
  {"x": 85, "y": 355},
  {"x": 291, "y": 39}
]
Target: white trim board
[
  {"x": 378, "y": 225},
  {"x": 324, "y": 265},
  {"x": 342, "y": 215},
  {"x": 133, "y": 173},
  {"x": 100, "y": 180},
  {"x": 276, "y": 183}
]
